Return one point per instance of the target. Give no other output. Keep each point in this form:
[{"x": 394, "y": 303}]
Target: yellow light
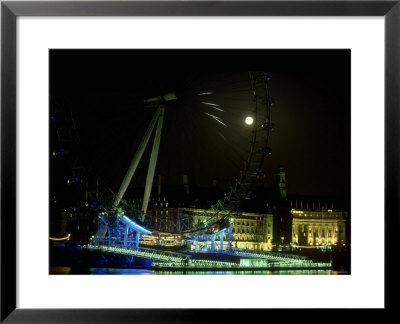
[
  {"x": 59, "y": 239},
  {"x": 249, "y": 120}
]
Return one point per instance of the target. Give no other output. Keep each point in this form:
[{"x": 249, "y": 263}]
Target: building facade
[
  {"x": 274, "y": 219},
  {"x": 249, "y": 230},
  {"x": 318, "y": 227}
]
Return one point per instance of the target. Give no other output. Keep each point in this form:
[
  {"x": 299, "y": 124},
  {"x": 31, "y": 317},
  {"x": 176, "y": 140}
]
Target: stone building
[
  {"x": 249, "y": 230},
  {"x": 318, "y": 227},
  {"x": 271, "y": 219}
]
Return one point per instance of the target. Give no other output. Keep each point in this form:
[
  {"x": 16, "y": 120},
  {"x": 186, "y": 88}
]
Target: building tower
[{"x": 281, "y": 180}]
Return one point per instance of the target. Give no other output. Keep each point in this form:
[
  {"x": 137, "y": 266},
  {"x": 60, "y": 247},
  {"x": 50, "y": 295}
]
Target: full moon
[{"x": 249, "y": 120}]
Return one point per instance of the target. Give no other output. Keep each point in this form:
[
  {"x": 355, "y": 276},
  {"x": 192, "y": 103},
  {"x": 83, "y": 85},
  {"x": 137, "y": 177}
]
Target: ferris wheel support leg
[
  {"x": 212, "y": 243},
  {"x": 229, "y": 237},
  {"x": 153, "y": 162},
  {"x": 126, "y": 232},
  {"x": 137, "y": 239},
  {"x": 196, "y": 244},
  {"x": 135, "y": 160},
  {"x": 221, "y": 247}
]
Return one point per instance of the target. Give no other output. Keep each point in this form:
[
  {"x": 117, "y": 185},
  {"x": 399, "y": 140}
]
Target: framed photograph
[{"x": 180, "y": 155}]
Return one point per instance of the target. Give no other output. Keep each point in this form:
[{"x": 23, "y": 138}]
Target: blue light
[
  {"x": 268, "y": 125},
  {"x": 250, "y": 195},
  {"x": 265, "y": 150},
  {"x": 218, "y": 233},
  {"x": 135, "y": 226}
]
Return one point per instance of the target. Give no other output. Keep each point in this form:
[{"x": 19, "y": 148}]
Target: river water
[{"x": 118, "y": 271}]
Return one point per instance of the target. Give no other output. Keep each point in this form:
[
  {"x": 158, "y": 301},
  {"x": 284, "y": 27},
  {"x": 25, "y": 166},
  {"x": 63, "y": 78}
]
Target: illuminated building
[
  {"x": 249, "y": 230},
  {"x": 307, "y": 221},
  {"x": 272, "y": 219},
  {"x": 318, "y": 227}
]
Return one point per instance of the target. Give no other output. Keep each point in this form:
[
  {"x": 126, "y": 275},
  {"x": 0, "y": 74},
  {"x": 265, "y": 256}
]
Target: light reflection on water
[{"x": 117, "y": 271}]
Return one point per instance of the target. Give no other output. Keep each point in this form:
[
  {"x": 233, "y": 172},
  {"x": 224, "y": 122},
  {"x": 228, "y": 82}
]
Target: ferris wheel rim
[{"x": 227, "y": 204}]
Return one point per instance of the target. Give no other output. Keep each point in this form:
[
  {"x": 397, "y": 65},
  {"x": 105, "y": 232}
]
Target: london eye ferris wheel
[
  {"x": 203, "y": 124},
  {"x": 206, "y": 106}
]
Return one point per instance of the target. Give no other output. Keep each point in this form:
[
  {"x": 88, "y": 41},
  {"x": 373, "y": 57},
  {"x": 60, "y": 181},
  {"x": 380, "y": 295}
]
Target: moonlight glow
[{"x": 249, "y": 120}]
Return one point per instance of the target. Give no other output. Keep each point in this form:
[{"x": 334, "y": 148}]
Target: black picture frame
[{"x": 10, "y": 10}]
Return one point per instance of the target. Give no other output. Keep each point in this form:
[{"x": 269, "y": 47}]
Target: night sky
[{"x": 106, "y": 90}]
